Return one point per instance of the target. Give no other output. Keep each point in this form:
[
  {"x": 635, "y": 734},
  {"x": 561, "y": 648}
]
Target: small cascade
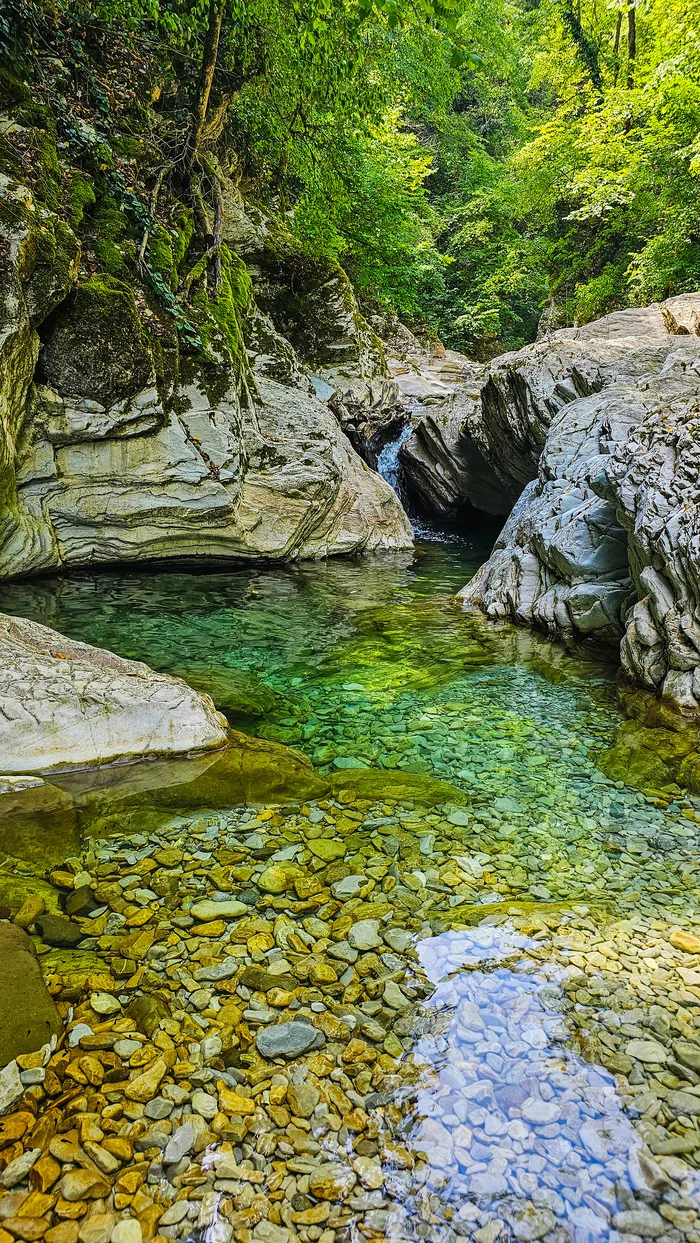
[{"x": 388, "y": 465}]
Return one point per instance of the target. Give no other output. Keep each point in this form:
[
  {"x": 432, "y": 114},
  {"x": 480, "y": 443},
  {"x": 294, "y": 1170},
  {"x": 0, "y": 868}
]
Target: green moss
[
  {"x": 377, "y": 783},
  {"x": 648, "y": 758},
  {"x": 95, "y": 345},
  {"x": 224, "y": 314},
  {"x": 109, "y": 229},
  {"x": 13, "y": 91},
  {"x": 182, "y": 235},
  {"x": 46, "y": 182},
  {"x": 81, "y": 195},
  {"x": 10, "y": 163},
  {"x": 160, "y": 255}
]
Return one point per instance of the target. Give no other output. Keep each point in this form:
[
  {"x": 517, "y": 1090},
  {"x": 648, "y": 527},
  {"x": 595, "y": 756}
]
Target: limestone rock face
[
  {"x": 66, "y": 704},
  {"x": 444, "y": 468},
  {"x": 313, "y": 305},
  {"x": 483, "y": 447},
  {"x": 113, "y": 450},
  {"x": 605, "y": 540}
]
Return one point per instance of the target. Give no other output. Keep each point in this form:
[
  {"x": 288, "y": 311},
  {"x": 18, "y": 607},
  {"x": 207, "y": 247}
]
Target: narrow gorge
[{"x": 349, "y": 623}]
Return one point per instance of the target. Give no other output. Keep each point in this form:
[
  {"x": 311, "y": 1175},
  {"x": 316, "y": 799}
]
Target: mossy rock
[
  {"x": 249, "y": 771},
  {"x": 95, "y": 345},
  {"x": 147, "y": 1012},
  {"x": 647, "y": 758},
  {"x": 235, "y": 693},
  {"x": 252, "y": 771},
  {"x": 29, "y": 1014},
  {"x": 38, "y": 825},
  {"x": 380, "y": 784}
]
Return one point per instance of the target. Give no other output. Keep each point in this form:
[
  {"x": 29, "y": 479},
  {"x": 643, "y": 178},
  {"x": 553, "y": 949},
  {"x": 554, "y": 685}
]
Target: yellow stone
[
  {"x": 45, "y": 1173},
  {"x": 322, "y": 973},
  {"x": 682, "y": 940},
  {"x": 64, "y": 1232},
  {"x": 79, "y": 1185},
  {"x": 35, "y": 1205},
  {"x": 214, "y": 929},
  {"x": 140, "y": 918},
  {"x": 231, "y": 1102},
  {"x": 30, "y": 910},
  {"x": 145, "y": 1086},
  {"x": 280, "y": 996},
  {"x": 312, "y": 1216},
  {"x": 320, "y": 1064},
  {"x": 230, "y": 1015}
]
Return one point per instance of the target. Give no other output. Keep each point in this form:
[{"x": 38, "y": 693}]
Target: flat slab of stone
[{"x": 288, "y": 1040}]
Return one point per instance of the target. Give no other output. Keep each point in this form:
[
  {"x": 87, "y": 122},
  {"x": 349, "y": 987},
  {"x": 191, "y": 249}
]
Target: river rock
[
  {"x": 179, "y": 1144},
  {"x": 364, "y": 935},
  {"x": 30, "y": 1017},
  {"x": 147, "y": 1012},
  {"x": 30, "y": 910},
  {"x": 647, "y": 1051},
  {"x": 640, "y": 1221},
  {"x": 144, "y": 1087},
  {"x": 332, "y": 1181},
  {"x": 231, "y": 909},
  {"x": 65, "y": 704},
  {"x": 687, "y": 941},
  {"x": 288, "y": 1040},
  {"x": 59, "y": 931}
]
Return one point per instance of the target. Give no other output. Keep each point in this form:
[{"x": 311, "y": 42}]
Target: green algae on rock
[
  {"x": 29, "y": 1015},
  {"x": 388, "y": 784},
  {"x": 235, "y": 692}
]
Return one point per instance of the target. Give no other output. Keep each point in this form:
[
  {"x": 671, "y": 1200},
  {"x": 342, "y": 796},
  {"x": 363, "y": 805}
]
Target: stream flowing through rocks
[{"x": 451, "y": 991}]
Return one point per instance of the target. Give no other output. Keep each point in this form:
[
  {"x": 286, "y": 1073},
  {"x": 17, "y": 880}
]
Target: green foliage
[{"x": 468, "y": 162}]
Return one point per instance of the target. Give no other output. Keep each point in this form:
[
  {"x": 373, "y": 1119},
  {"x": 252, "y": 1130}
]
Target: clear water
[{"x": 516, "y": 1115}]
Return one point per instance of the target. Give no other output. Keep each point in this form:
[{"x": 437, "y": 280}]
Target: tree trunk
[
  {"x": 206, "y": 77},
  {"x": 616, "y": 47},
  {"x": 631, "y": 44}
]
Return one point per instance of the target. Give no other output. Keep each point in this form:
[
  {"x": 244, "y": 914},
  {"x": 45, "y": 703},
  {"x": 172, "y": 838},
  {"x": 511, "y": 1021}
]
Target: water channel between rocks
[{"x": 508, "y": 1027}]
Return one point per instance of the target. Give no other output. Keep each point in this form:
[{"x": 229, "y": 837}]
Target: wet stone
[{"x": 288, "y": 1040}]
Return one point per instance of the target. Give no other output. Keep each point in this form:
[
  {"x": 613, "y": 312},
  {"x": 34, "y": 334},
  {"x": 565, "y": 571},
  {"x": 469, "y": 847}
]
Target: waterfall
[{"x": 388, "y": 459}]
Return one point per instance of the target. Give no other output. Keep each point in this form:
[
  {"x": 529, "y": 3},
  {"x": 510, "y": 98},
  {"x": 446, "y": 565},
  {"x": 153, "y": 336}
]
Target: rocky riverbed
[
  {"x": 452, "y": 991},
  {"x": 314, "y": 1022}
]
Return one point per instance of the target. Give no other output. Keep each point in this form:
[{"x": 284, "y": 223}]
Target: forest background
[{"x": 478, "y": 166}]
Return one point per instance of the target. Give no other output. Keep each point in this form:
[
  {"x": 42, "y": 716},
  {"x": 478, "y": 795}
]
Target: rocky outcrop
[
  {"x": 605, "y": 541},
  {"x": 484, "y": 446},
  {"x": 66, "y": 705},
  {"x": 443, "y": 469},
  {"x": 117, "y": 447},
  {"x": 313, "y": 306}
]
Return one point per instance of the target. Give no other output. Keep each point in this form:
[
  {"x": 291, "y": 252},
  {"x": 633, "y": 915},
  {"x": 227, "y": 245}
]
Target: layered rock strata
[
  {"x": 65, "y": 705},
  {"x": 604, "y": 541},
  {"x": 118, "y": 446}
]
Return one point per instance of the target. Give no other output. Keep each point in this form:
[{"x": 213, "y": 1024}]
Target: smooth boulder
[
  {"x": 66, "y": 705},
  {"x": 29, "y": 1015}
]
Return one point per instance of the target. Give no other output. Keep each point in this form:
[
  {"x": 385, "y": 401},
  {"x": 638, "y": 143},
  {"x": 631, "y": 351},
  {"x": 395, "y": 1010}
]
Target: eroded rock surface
[
  {"x": 605, "y": 540},
  {"x": 65, "y": 704},
  {"x": 116, "y": 448}
]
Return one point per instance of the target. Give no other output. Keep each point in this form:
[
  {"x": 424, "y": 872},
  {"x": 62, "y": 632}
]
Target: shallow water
[{"x": 542, "y": 901}]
